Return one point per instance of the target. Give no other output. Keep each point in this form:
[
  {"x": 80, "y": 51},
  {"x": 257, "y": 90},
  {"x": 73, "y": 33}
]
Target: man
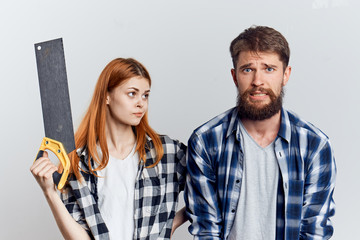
[{"x": 258, "y": 171}]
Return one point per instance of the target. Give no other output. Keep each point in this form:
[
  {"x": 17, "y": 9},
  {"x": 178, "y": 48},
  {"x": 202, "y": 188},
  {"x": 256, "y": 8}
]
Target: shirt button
[
  {"x": 237, "y": 181},
  {"x": 233, "y": 210}
]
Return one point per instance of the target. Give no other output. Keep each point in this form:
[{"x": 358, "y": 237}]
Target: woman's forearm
[
  {"x": 42, "y": 170},
  {"x": 68, "y": 227}
]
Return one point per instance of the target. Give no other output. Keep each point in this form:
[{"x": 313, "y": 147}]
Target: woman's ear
[{"x": 107, "y": 100}]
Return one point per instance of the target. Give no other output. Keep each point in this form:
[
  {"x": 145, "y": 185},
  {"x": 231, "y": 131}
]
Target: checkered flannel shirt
[
  {"x": 306, "y": 183},
  {"x": 155, "y": 200}
]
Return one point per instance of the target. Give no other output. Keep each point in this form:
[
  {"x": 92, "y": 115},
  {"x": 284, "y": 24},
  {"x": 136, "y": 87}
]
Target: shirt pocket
[{"x": 154, "y": 190}]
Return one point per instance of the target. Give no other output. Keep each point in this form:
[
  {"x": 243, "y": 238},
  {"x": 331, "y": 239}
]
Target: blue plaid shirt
[{"x": 306, "y": 182}]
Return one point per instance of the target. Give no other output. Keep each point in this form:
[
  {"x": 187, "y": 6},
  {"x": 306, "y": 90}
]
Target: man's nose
[{"x": 257, "y": 79}]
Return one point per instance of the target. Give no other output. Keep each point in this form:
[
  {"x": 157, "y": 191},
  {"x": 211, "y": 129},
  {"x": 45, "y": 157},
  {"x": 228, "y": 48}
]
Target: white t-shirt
[{"x": 116, "y": 195}]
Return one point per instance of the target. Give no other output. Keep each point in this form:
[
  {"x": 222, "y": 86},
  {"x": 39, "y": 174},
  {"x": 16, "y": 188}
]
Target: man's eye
[
  {"x": 247, "y": 70},
  {"x": 270, "y": 69}
]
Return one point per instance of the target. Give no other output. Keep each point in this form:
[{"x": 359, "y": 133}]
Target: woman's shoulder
[
  {"x": 85, "y": 163},
  {"x": 174, "y": 156},
  {"x": 82, "y": 153},
  {"x": 167, "y": 139},
  {"x": 86, "y": 179},
  {"x": 170, "y": 145}
]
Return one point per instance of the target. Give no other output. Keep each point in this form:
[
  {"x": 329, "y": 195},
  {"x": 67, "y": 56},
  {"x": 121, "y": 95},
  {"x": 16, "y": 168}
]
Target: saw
[{"x": 55, "y": 102}]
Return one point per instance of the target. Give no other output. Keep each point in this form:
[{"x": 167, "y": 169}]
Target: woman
[{"x": 125, "y": 178}]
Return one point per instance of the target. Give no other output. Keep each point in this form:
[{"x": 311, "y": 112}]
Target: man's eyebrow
[
  {"x": 270, "y": 65},
  {"x": 245, "y": 66}
]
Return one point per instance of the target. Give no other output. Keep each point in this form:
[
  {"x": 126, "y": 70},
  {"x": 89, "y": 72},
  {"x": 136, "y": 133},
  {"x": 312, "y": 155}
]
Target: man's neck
[{"x": 265, "y": 131}]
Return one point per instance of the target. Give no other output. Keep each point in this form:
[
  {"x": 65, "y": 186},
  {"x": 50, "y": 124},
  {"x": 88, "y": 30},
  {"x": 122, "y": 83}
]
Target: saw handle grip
[
  {"x": 56, "y": 175},
  {"x": 58, "y": 149}
]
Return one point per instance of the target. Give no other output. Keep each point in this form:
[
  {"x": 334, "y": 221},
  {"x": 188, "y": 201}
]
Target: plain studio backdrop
[{"x": 185, "y": 46}]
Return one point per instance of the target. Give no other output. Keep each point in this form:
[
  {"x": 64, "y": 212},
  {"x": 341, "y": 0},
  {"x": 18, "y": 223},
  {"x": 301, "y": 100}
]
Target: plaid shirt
[
  {"x": 155, "y": 198},
  {"x": 306, "y": 182}
]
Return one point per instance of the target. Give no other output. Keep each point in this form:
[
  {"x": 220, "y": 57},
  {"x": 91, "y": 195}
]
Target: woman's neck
[{"x": 120, "y": 139}]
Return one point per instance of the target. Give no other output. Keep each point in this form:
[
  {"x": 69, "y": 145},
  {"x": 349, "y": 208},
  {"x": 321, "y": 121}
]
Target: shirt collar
[
  {"x": 284, "y": 131},
  {"x": 234, "y": 125},
  {"x": 81, "y": 151},
  {"x": 285, "y": 126}
]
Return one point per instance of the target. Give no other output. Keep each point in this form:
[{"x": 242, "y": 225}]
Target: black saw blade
[{"x": 54, "y": 92}]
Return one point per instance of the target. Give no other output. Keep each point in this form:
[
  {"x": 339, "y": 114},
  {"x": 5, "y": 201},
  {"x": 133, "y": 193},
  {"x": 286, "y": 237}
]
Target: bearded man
[{"x": 259, "y": 171}]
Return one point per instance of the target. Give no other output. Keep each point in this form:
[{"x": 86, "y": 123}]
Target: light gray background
[{"x": 184, "y": 44}]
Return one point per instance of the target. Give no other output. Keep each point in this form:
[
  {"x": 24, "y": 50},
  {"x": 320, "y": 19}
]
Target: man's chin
[
  {"x": 257, "y": 112},
  {"x": 259, "y": 106},
  {"x": 259, "y": 109}
]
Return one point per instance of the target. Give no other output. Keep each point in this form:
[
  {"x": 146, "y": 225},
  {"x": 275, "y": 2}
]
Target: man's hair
[{"x": 260, "y": 39}]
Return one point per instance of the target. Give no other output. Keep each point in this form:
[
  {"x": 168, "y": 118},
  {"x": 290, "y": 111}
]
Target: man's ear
[
  {"x": 233, "y": 74},
  {"x": 287, "y": 73}
]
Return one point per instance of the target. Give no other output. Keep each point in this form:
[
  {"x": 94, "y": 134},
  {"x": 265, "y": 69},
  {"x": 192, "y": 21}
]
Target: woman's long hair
[{"x": 92, "y": 128}]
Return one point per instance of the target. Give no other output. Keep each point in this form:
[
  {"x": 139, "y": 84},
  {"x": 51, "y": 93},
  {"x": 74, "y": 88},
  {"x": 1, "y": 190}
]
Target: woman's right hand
[{"x": 43, "y": 169}]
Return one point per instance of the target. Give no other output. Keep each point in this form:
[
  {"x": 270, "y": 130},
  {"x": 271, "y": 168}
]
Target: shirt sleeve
[
  {"x": 181, "y": 164},
  {"x": 200, "y": 193},
  {"x": 69, "y": 200},
  {"x": 318, "y": 205}
]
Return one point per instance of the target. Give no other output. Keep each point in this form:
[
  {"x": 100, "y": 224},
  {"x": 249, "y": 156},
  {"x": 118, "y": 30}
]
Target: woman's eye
[
  {"x": 131, "y": 94},
  {"x": 145, "y": 96}
]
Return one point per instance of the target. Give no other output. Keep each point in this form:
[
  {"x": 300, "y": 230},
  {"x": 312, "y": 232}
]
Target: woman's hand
[
  {"x": 43, "y": 169},
  {"x": 180, "y": 218}
]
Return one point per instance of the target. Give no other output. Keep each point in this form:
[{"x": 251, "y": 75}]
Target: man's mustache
[{"x": 253, "y": 90}]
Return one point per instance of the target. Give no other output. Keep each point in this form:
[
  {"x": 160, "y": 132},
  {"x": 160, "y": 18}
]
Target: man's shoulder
[
  {"x": 221, "y": 121},
  {"x": 301, "y": 125}
]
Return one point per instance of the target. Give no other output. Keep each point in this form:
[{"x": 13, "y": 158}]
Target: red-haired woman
[{"x": 125, "y": 177}]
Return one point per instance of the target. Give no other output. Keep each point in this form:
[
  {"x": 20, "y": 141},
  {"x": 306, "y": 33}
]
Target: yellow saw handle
[{"x": 58, "y": 149}]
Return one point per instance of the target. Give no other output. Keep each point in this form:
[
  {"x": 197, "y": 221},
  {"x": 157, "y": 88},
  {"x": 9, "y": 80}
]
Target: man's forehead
[
  {"x": 247, "y": 57},
  {"x": 258, "y": 55}
]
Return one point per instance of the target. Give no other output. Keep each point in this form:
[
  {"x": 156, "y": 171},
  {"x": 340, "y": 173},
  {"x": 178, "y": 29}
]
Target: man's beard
[{"x": 251, "y": 111}]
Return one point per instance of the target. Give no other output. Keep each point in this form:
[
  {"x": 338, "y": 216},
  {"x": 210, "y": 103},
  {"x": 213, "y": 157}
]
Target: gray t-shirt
[{"x": 256, "y": 212}]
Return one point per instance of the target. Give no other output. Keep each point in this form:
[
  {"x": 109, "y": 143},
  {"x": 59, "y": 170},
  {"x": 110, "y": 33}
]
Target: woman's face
[{"x": 128, "y": 102}]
